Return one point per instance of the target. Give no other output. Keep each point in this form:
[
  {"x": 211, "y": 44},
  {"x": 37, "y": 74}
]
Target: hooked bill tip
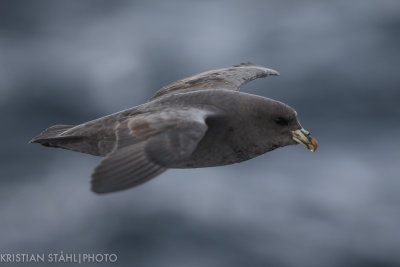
[{"x": 303, "y": 137}]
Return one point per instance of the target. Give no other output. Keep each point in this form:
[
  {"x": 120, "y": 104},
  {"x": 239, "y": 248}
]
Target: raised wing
[
  {"x": 228, "y": 78},
  {"x": 147, "y": 146}
]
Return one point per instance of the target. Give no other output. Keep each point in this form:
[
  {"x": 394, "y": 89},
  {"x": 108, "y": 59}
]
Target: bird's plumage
[
  {"x": 200, "y": 121},
  {"x": 146, "y": 146},
  {"x": 228, "y": 78}
]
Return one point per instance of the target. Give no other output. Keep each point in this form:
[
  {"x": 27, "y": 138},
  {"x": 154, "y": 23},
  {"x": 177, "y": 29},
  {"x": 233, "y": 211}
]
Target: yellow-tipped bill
[{"x": 303, "y": 137}]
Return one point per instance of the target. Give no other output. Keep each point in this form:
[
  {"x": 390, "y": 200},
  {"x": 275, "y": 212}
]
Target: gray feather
[
  {"x": 145, "y": 148},
  {"x": 51, "y": 132},
  {"x": 228, "y": 78}
]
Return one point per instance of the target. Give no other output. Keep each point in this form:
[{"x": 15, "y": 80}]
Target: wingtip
[
  {"x": 274, "y": 72},
  {"x": 244, "y": 64},
  {"x": 269, "y": 72},
  {"x": 96, "y": 191},
  {"x": 95, "y": 187}
]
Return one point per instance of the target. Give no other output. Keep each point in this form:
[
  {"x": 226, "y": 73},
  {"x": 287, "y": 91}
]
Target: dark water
[{"x": 71, "y": 61}]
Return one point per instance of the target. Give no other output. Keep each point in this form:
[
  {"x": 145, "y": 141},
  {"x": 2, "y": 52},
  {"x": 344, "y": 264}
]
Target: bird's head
[{"x": 283, "y": 124}]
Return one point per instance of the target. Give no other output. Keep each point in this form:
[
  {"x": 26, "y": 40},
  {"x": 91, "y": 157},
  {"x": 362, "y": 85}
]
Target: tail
[
  {"x": 50, "y": 134},
  {"x": 52, "y": 137}
]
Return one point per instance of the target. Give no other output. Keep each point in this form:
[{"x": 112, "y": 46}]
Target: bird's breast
[{"x": 225, "y": 142}]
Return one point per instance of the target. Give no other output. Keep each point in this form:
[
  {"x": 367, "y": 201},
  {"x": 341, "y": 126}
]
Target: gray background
[{"x": 66, "y": 62}]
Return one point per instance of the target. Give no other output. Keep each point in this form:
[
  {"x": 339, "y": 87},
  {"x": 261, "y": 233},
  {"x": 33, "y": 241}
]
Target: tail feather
[
  {"x": 51, "y": 132},
  {"x": 55, "y": 137}
]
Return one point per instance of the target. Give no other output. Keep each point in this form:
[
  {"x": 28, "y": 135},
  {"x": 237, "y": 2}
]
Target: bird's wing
[
  {"x": 146, "y": 146},
  {"x": 228, "y": 78}
]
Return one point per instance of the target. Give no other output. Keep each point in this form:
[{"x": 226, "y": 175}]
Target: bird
[{"x": 200, "y": 121}]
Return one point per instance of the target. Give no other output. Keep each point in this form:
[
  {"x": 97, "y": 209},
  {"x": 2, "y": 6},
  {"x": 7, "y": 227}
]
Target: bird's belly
[
  {"x": 206, "y": 158},
  {"x": 220, "y": 147}
]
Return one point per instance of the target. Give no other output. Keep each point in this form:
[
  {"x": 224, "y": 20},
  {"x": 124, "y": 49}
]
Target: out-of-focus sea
[{"x": 67, "y": 62}]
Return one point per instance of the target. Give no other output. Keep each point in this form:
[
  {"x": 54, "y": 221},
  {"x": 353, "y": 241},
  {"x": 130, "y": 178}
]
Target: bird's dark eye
[{"x": 282, "y": 121}]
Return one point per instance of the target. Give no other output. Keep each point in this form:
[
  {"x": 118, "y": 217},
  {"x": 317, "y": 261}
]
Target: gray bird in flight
[{"x": 199, "y": 121}]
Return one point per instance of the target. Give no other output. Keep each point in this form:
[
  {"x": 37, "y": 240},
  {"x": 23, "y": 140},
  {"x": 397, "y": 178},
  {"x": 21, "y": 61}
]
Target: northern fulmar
[{"x": 199, "y": 121}]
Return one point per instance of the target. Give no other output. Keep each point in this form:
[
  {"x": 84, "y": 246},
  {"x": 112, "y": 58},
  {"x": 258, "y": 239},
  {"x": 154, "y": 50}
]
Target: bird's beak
[{"x": 303, "y": 137}]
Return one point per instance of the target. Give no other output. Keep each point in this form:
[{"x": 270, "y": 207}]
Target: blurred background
[{"x": 67, "y": 62}]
